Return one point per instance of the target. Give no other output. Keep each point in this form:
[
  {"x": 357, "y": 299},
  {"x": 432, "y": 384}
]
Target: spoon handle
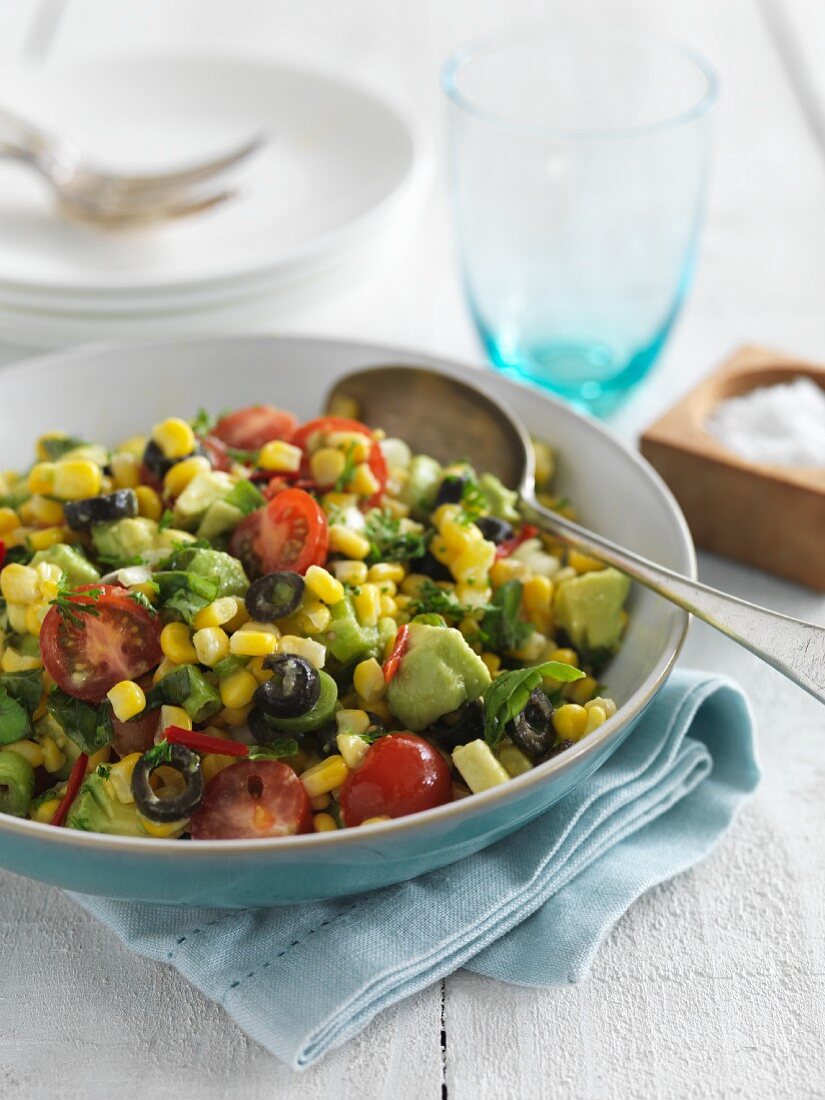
[{"x": 792, "y": 647}]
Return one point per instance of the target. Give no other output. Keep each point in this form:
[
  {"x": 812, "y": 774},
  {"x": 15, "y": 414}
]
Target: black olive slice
[
  {"x": 292, "y": 690},
  {"x": 274, "y": 596},
  {"x": 494, "y": 529},
  {"x": 177, "y": 807},
  {"x": 451, "y": 490},
  {"x": 532, "y": 730},
  {"x": 81, "y": 514}
]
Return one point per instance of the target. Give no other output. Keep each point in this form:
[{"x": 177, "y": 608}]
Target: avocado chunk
[
  {"x": 221, "y": 518},
  {"x": 212, "y": 565},
  {"x": 76, "y": 569},
  {"x": 502, "y": 501},
  {"x": 420, "y": 490},
  {"x": 438, "y": 673},
  {"x": 317, "y": 716},
  {"x": 96, "y": 810},
  {"x": 345, "y": 638},
  {"x": 123, "y": 540},
  {"x": 589, "y": 608},
  {"x": 198, "y": 496},
  {"x": 186, "y": 687}
]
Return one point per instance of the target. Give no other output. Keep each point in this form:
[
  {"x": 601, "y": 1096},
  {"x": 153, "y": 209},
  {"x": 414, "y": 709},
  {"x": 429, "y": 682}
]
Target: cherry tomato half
[
  {"x": 138, "y": 735},
  {"x": 291, "y": 532},
  {"x": 401, "y": 774},
  {"x": 89, "y": 651},
  {"x": 249, "y": 429},
  {"x": 323, "y": 424},
  {"x": 254, "y": 798}
]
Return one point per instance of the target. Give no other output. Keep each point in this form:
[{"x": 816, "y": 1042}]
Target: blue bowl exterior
[{"x": 285, "y": 876}]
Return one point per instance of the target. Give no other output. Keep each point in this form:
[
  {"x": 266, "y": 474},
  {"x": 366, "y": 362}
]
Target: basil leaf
[
  {"x": 26, "y": 688},
  {"x": 502, "y": 628},
  {"x": 14, "y": 721},
  {"x": 186, "y": 593},
  {"x": 510, "y": 692},
  {"x": 88, "y": 726}
]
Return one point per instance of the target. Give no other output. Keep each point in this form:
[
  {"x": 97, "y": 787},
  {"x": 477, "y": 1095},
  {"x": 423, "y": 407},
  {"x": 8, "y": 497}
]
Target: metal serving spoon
[{"x": 443, "y": 416}]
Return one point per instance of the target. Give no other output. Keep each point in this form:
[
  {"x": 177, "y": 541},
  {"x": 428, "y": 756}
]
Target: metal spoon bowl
[{"x": 449, "y": 419}]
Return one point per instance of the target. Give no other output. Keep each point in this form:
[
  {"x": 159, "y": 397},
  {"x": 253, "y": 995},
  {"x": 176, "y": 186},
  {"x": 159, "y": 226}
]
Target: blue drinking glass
[{"x": 579, "y": 165}]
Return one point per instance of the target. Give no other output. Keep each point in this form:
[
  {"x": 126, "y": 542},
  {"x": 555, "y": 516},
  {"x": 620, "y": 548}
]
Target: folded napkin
[{"x": 531, "y": 909}]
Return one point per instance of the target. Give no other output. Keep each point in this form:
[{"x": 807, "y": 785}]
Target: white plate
[{"x": 339, "y": 162}]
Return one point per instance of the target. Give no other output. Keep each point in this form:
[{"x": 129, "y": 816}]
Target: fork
[{"x": 109, "y": 200}]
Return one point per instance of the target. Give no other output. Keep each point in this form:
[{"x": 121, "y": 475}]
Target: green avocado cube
[
  {"x": 76, "y": 569},
  {"x": 589, "y": 608}
]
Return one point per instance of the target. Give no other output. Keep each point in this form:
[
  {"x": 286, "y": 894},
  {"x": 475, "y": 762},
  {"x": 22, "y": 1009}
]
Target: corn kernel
[
  {"x": 342, "y": 540},
  {"x": 237, "y": 690},
  {"x": 607, "y": 705},
  {"x": 170, "y": 830},
  {"x": 98, "y": 758},
  {"x": 174, "y": 716},
  {"x": 256, "y": 667},
  {"x": 234, "y": 716},
  {"x": 120, "y": 777},
  {"x": 387, "y": 607},
  {"x": 69, "y": 480},
  {"x": 29, "y": 750},
  {"x": 127, "y": 700},
  {"x": 353, "y": 748},
  {"x": 321, "y": 802},
  {"x": 125, "y": 470},
  {"x": 35, "y": 614},
  {"x": 474, "y": 562},
  {"x": 595, "y": 717},
  {"x": 324, "y": 823},
  {"x": 174, "y": 437},
  {"x": 342, "y": 405},
  {"x": 176, "y": 643},
  {"x": 12, "y": 661},
  {"x": 253, "y": 642},
  {"x": 356, "y": 444},
  {"x": 441, "y": 551},
  {"x": 570, "y": 721},
  {"x": 386, "y": 571},
  {"x": 53, "y": 758},
  {"x": 19, "y": 583},
  {"x": 579, "y": 691},
  {"x": 412, "y": 585},
  {"x": 218, "y": 613},
  {"x": 42, "y": 708},
  {"x": 314, "y": 617},
  {"x": 368, "y": 605},
  {"x": 507, "y": 569},
  {"x": 368, "y": 680},
  {"x": 41, "y": 478},
  {"x": 211, "y": 645},
  {"x": 352, "y": 721},
  {"x": 150, "y": 506},
  {"x": 564, "y": 656},
  {"x": 213, "y": 763},
  {"x": 42, "y": 512},
  {"x": 376, "y": 820},
  {"x": 583, "y": 563},
  {"x": 280, "y": 457},
  {"x": 46, "y": 537},
  {"x": 325, "y": 776},
  {"x": 9, "y": 520},
  {"x": 307, "y": 648},
  {"x": 182, "y": 473},
  {"x": 322, "y": 584},
  {"x": 537, "y": 593},
  {"x": 46, "y": 811},
  {"x": 492, "y": 661},
  {"x": 350, "y": 572},
  {"x": 458, "y": 536},
  {"x": 472, "y": 594},
  {"x": 364, "y": 481},
  {"x": 327, "y": 465}
]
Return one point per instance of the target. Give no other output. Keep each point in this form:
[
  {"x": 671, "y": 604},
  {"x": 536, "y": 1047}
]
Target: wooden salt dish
[{"x": 771, "y": 517}]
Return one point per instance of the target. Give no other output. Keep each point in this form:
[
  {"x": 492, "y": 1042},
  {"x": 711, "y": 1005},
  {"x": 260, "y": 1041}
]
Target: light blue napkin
[{"x": 532, "y": 909}]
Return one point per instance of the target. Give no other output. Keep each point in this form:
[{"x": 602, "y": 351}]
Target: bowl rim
[{"x": 344, "y": 839}]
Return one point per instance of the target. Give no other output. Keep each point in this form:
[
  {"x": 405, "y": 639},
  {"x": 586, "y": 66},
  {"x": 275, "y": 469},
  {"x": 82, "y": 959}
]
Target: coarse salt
[{"x": 780, "y": 425}]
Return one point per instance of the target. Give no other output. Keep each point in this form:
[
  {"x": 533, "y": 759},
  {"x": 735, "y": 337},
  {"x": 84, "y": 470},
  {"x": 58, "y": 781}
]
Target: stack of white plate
[{"x": 338, "y": 186}]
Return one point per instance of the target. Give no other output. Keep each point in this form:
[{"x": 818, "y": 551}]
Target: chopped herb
[
  {"x": 103, "y": 770},
  {"x": 142, "y": 600},
  {"x": 432, "y": 600},
  {"x": 388, "y": 542},
  {"x": 166, "y": 520},
  {"x": 348, "y": 472},
  {"x": 58, "y": 446},
  {"x": 186, "y": 687},
  {"x": 246, "y": 458},
  {"x": 509, "y": 693},
  {"x": 21, "y": 555},
  {"x": 186, "y": 593},
  {"x": 246, "y": 497},
  {"x": 474, "y": 502},
  {"x": 502, "y": 628},
  {"x": 161, "y": 753},
  {"x": 88, "y": 726},
  {"x": 275, "y": 749},
  {"x": 203, "y": 422},
  {"x": 179, "y": 555},
  {"x": 72, "y": 605}
]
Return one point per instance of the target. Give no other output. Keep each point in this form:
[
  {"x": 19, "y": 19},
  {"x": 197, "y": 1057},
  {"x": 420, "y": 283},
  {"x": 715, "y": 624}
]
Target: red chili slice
[
  {"x": 202, "y": 742},
  {"x": 76, "y": 777},
  {"x": 402, "y": 644}
]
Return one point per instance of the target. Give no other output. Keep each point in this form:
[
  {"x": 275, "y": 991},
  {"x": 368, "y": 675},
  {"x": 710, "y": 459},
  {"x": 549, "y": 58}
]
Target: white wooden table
[{"x": 713, "y": 985}]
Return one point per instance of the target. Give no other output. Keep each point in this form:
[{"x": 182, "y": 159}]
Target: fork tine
[
  {"x": 165, "y": 183},
  {"x": 126, "y": 218}
]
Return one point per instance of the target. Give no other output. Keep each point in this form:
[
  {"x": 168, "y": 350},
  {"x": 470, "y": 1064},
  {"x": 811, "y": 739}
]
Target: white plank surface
[{"x": 711, "y": 986}]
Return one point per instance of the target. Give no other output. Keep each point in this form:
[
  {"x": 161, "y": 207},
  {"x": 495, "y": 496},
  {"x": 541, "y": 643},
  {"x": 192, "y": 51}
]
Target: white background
[{"x": 711, "y": 986}]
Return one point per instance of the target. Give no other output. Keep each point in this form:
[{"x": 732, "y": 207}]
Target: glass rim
[{"x": 470, "y": 51}]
